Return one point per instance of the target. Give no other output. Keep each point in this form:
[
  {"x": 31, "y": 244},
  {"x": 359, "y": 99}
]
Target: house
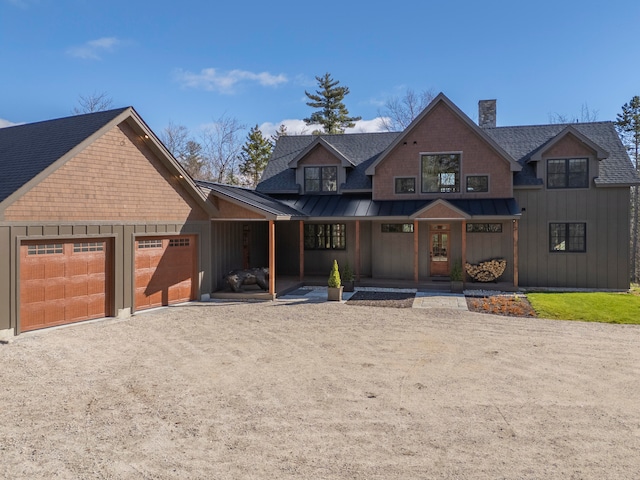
[
  {"x": 97, "y": 219},
  {"x": 552, "y": 200}
]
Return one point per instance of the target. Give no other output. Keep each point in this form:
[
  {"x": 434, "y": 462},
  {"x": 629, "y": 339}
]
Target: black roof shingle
[{"x": 26, "y": 150}]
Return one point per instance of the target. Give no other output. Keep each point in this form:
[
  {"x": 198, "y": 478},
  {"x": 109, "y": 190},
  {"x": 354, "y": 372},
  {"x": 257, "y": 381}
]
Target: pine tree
[
  {"x": 255, "y": 155},
  {"x": 333, "y": 116},
  {"x": 628, "y": 126},
  {"x": 281, "y": 132}
]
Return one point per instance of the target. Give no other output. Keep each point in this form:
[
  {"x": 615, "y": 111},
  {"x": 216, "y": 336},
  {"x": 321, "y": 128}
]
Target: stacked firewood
[{"x": 487, "y": 271}]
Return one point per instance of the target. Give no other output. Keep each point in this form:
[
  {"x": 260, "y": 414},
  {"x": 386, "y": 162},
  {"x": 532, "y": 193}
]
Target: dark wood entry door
[{"x": 439, "y": 244}]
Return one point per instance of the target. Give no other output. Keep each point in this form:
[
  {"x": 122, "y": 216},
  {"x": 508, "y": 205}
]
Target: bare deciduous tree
[
  {"x": 586, "y": 115},
  {"x": 187, "y": 151},
  {"x": 398, "y": 112},
  {"x": 221, "y": 146},
  {"x": 96, "y": 102}
]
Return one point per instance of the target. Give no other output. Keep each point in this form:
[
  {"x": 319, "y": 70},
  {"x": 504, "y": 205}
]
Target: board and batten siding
[
  {"x": 122, "y": 237},
  {"x": 483, "y": 246},
  {"x": 604, "y": 265},
  {"x": 226, "y": 248}
]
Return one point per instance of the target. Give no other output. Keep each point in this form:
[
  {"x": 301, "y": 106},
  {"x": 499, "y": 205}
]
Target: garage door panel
[
  {"x": 63, "y": 282},
  {"x": 165, "y": 270},
  {"x": 53, "y": 292}
]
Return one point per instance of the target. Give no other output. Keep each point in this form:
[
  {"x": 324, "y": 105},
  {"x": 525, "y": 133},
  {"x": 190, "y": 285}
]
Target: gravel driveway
[{"x": 291, "y": 389}]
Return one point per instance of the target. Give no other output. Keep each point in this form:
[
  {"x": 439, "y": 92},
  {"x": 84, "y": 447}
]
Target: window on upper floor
[
  {"x": 477, "y": 183},
  {"x": 568, "y": 173},
  {"x": 441, "y": 173},
  {"x": 326, "y": 236},
  {"x": 406, "y": 185},
  {"x": 567, "y": 237},
  {"x": 320, "y": 179}
]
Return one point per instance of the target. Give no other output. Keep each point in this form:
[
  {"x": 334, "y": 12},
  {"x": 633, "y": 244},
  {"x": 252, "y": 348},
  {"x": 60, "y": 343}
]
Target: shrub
[{"x": 334, "y": 277}]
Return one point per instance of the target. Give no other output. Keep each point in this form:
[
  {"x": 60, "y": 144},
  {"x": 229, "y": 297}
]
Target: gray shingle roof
[
  {"x": 360, "y": 148},
  {"x": 26, "y": 150},
  {"x": 524, "y": 141},
  {"x": 520, "y": 142}
]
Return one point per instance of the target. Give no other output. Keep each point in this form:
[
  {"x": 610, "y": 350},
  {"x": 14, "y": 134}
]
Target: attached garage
[
  {"x": 165, "y": 270},
  {"x": 64, "y": 282}
]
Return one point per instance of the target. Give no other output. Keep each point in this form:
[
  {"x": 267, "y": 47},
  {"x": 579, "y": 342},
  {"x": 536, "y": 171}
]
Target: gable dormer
[
  {"x": 443, "y": 154},
  {"x": 568, "y": 160},
  {"x": 320, "y": 168}
]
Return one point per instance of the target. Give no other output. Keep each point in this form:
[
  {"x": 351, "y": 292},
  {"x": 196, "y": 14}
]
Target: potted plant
[
  {"x": 347, "y": 278},
  {"x": 334, "y": 292},
  {"x": 457, "y": 285}
]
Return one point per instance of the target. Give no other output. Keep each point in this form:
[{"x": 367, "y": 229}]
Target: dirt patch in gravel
[
  {"x": 509, "y": 305},
  {"x": 382, "y": 299},
  {"x": 292, "y": 389}
]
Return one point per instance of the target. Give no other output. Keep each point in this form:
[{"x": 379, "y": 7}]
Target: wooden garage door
[
  {"x": 165, "y": 269},
  {"x": 63, "y": 282}
]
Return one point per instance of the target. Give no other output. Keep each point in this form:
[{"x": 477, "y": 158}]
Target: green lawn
[{"x": 588, "y": 307}]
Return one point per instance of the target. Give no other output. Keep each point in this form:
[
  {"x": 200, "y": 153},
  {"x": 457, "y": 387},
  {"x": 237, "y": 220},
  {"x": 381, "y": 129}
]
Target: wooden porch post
[
  {"x": 357, "y": 266},
  {"x": 301, "y": 250},
  {"x": 415, "y": 252},
  {"x": 515, "y": 253},
  {"x": 464, "y": 250},
  {"x": 272, "y": 258}
]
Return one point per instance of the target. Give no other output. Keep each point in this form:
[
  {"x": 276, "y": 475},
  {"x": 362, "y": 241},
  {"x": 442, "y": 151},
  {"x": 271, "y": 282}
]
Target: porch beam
[
  {"x": 272, "y": 258},
  {"x": 464, "y": 250},
  {"x": 301, "y": 250},
  {"x": 357, "y": 266},
  {"x": 415, "y": 251},
  {"x": 515, "y": 253}
]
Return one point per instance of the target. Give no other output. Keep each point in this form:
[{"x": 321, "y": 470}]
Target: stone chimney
[{"x": 487, "y": 113}]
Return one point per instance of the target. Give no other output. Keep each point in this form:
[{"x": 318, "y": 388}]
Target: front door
[{"x": 439, "y": 240}]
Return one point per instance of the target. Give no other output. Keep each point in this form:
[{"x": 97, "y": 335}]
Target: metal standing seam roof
[
  {"x": 26, "y": 150},
  {"x": 362, "y": 206},
  {"x": 251, "y": 197}
]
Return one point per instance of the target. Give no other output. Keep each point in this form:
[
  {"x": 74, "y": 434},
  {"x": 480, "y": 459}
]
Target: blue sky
[{"x": 191, "y": 62}]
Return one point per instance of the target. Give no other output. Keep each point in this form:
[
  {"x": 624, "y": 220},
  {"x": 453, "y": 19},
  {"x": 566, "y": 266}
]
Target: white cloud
[
  {"x": 7, "y": 123},
  {"x": 92, "y": 49},
  {"x": 211, "y": 79},
  {"x": 298, "y": 127}
]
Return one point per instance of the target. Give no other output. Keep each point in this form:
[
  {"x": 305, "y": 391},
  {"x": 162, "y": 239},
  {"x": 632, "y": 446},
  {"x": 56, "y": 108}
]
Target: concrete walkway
[{"x": 423, "y": 299}]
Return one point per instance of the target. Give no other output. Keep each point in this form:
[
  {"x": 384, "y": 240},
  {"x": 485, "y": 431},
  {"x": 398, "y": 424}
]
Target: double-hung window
[
  {"x": 568, "y": 173},
  {"x": 441, "y": 173},
  {"x": 320, "y": 179}
]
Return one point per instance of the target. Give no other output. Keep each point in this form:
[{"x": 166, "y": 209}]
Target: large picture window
[
  {"x": 568, "y": 173},
  {"x": 320, "y": 179},
  {"x": 568, "y": 237},
  {"x": 325, "y": 236},
  {"x": 441, "y": 173}
]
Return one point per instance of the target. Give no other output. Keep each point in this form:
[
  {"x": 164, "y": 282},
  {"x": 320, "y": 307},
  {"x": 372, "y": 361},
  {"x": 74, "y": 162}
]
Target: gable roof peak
[{"x": 441, "y": 98}]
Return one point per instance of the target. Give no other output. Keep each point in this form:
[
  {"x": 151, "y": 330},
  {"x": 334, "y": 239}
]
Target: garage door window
[
  {"x": 150, "y": 244},
  {"x": 179, "y": 242},
  {"x": 47, "y": 249},
  {"x": 88, "y": 247}
]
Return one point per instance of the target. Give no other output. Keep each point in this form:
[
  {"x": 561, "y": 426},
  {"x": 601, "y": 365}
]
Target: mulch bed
[
  {"x": 502, "y": 305},
  {"x": 382, "y": 299}
]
